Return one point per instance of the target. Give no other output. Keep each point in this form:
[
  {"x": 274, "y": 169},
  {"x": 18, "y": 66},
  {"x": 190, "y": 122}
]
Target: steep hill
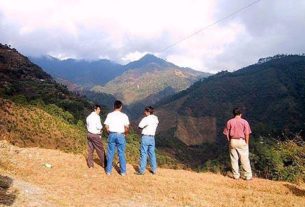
[
  {"x": 81, "y": 72},
  {"x": 37, "y": 111},
  {"x": 31, "y": 126},
  {"x": 26, "y": 181},
  {"x": 148, "y": 80},
  {"x": 271, "y": 94},
  {"x": 25, "y": 82}
]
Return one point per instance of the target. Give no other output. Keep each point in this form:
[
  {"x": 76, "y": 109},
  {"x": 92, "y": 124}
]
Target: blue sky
[{"x": 126, "y": 30}]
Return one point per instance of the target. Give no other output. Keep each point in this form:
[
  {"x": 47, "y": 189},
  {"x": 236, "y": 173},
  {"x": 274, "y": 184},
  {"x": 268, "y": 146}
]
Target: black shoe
[{"x": 138, "y": 173}]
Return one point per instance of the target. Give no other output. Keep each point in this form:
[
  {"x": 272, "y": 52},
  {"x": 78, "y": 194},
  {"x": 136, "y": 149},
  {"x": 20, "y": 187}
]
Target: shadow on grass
[
  {"x": 98, "y": 162},
  {"x": 295, "y": 190},
  {"x": 6, "y": 198}
]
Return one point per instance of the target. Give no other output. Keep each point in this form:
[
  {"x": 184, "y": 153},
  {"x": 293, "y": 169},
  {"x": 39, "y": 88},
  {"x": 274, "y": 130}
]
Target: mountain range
[
  {"x": 270, "y": 93},
  {"x": 138, "y": 83},
  {"x": 85, "y": 74},
  {"x": 38, "y": 111}
]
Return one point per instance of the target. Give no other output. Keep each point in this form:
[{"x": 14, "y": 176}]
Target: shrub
[
  {"x": 59, "y": 112},
  {"x": 20, "y": 99},
  {"x": 279, "y": 160}
]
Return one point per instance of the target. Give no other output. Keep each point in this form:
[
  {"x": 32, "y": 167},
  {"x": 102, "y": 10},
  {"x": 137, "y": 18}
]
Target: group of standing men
[
  {"x": 237, "y": 131},
  {"x": 117, "y": 127}
]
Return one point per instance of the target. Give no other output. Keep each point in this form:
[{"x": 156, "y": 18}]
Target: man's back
[
  {"x": 149, "y": 124},
  {"x": 237, "y": 128},
  {"x": 93, "y": 123},
  {"x": 116, "y": 121}
]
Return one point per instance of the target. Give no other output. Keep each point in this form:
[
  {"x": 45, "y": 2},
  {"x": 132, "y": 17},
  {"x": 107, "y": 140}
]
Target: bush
[
  {"x": 270, "y": 158},
  {"x": 59, "y": 112},
  {"x": 279, "y": 160},
  {"x": 20, "y": 99}
]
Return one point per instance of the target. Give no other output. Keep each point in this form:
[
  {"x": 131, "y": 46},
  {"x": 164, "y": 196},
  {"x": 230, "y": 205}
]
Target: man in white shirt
[
  {"x": 148, "y": 125},
  {"x": 94, "y": 136},
  {"x": 117, "y": 125}
]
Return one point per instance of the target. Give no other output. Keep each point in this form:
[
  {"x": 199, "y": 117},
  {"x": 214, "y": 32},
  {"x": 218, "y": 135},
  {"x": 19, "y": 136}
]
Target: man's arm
[
  {"x": 142, "y": 123},
  {"x": 247, "y": 132},
  {"x": 247, "y": 138},
  {"x": 99, "y": 125},
  {"x": 107, "y": 128},
  {"x": 126, "y": 130},
  {"x": 226, "y": 131}
]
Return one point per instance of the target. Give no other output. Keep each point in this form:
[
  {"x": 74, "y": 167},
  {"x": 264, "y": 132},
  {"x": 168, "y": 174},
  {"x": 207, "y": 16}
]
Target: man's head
[
  {"x": 117, "y": 105},
  {"x": 148, "y": 110},
  {"x": 236, "y": 112},
  {"x": 97, "y": 109}
]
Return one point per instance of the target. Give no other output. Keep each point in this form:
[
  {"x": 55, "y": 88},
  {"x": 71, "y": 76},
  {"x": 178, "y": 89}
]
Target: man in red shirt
[{"x": 237, "y": 132}]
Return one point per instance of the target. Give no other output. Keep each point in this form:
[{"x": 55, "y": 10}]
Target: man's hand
[
  {"x": 126, "y": 130},
  {"x": 247, "y": 138},
  {"x": 107, "y": 129}
]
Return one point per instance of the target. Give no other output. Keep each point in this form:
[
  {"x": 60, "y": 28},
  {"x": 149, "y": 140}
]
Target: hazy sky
[{"x": 124, "y": 30}]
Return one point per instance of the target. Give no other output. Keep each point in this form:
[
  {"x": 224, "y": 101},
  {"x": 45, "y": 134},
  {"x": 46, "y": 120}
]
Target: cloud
[{"x": 123, "y": 30}]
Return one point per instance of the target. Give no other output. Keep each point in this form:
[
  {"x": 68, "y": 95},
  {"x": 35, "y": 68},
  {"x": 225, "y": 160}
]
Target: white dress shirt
[
  {"x": 94, "y": 124},
  {"x": 116, "y": 121},
  {"x": 149, "y": 125}
]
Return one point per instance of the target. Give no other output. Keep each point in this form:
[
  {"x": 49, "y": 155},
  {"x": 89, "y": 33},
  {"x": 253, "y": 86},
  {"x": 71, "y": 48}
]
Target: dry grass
[
  {"x": 30, "y": 126},
  {"x": 70, "y": 183}
]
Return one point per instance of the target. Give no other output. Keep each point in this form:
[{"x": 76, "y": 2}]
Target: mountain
[
  {"x": 271, "y": 93},
  {"x": 148, "y": 80},
  {"x": 36, "y": 111},
  {"x": 81, "y": 72},
  {"x": 21, "y": 79}
]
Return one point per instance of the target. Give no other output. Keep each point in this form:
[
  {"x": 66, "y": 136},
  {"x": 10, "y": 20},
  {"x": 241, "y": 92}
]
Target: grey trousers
[{"x": 95, "y": 143}]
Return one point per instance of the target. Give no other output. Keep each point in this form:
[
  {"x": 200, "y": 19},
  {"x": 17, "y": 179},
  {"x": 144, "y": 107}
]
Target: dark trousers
[{"x": 95, "y": 143}]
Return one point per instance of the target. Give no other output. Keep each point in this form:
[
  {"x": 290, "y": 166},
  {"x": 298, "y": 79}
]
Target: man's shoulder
[
  {"x": 90, "y": 115},
  {"x": 123, "y": 114},
  {"x": 245, "y": 121},
  {"x": 230, "y": 120},
  {"x": 154, "y": 117}
]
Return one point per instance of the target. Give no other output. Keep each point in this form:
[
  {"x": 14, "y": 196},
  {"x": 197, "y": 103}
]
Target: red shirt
[{"x": 237, "y": 128}]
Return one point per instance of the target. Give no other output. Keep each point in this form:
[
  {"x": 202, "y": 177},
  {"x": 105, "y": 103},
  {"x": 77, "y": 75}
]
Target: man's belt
[
  {"x": 237, "y": 138},
  {"x": 116, "y": 132},
  {"x": 148, "y": 135},
  {"x": 93, "y": 133}
]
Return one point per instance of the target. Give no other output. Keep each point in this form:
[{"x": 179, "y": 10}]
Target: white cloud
[{"x": 124, "y": 30}]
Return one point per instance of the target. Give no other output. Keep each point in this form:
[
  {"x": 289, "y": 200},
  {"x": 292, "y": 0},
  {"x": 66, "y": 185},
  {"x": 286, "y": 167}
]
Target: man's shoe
[
  {"x": 138, "y": 173},
  {"x": 123, "y": 174},
  {"x": 230, "y": 175},
  {"x": 153, "y": 172},
  {"x": 248, "y": 179},
  {"x": 108, "y": 173}
]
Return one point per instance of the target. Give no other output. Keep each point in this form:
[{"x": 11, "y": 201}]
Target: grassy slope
[
  {"x": 70, "y": 183},
  {"x": 27, "y": 125}
]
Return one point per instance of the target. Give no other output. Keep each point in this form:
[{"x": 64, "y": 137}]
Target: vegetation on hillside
[
  {"x": 270, "y": 158},
  {"x": 271, "y": 94},
  {"x": 37, "y": 111}
]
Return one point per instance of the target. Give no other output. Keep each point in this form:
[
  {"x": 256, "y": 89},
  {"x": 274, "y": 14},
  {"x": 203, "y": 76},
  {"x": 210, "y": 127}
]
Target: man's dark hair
[
  {"x": 236, "y": 111},
  {"x": 96, "y": 106},
  {"x": 149, "y": 109},
  {"x": 117, "y": 104}
]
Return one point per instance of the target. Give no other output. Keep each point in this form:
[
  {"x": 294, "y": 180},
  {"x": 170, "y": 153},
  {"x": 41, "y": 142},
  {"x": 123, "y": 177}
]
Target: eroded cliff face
[
  {"x": 189, "y": 129},
  {"x": 196, "y": 130}
]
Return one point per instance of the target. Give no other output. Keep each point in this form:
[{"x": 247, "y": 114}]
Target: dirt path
[{"x": 70, "y": 183}]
